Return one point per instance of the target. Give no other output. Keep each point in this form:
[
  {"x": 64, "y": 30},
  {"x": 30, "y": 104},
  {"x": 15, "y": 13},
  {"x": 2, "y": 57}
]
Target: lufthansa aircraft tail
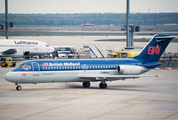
[{"x": 155, "y": 48}]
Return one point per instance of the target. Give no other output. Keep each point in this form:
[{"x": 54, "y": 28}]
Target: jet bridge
[{"x": 94, "y": 50}]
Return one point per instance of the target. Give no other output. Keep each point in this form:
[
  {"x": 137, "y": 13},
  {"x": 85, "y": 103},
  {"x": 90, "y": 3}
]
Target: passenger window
[
  {"x": 73, "y": 67},
  {"x": 54, "y": 68},
  {"x": 48, "y": 68},
  {"x": 51, "y": 68}
]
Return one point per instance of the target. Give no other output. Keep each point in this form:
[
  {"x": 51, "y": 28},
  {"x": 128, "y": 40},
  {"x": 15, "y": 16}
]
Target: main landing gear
[
  {"x": 86, "y": 84},
  {"x": 102, "y": 85},
  {"x": 19, "y": 88}
]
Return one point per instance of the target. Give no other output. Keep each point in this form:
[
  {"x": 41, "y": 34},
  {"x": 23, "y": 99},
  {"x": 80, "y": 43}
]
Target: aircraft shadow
[
  {"x": 78, "y": 86},
  {"x": 110, "y": 87}
]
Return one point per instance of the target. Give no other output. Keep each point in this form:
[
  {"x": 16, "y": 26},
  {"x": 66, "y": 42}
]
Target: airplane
[
  {"x": 23, "y": 48},
  {"x": 91, "y": 70}
]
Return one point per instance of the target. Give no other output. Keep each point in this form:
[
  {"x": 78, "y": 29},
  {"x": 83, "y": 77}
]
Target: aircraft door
[
  {"x": 41, "y": 48},
  {"x": 36, "y": 69},
  {"x": 85, "y": 67}
]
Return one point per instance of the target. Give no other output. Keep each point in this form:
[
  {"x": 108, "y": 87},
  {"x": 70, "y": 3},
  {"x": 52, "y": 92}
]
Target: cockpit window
[
  {"x": 25, "y": 66},
  {"x": 20, "y": 66},
  {"x": 47, "y": 45}
]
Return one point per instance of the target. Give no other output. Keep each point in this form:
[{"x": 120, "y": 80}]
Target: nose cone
[
  {"x": 50, "y": 50},
  {"x": 9, "y": 77}
]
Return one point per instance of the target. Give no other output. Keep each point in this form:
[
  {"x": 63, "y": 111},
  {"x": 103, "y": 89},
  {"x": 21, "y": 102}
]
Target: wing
[
  {"x": 100, "y": 77},
  {"x": 9, "y": 51}
]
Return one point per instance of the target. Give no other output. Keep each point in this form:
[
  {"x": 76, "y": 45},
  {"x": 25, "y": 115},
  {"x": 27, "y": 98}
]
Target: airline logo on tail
[{"x": 153, "y": 50}]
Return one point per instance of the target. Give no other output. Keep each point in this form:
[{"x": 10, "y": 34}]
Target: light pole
[
  {"x": 127, "y": 24},
  {"x": 6, "y": 18}
]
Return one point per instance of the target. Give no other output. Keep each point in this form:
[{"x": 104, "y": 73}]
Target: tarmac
[{"x": 144, "y": 98}]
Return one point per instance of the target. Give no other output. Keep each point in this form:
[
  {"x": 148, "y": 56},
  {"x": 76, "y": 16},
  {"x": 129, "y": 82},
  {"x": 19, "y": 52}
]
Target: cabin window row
[
  {"x": 18, "y": 46},
  {"x": 78, "y": 67}
]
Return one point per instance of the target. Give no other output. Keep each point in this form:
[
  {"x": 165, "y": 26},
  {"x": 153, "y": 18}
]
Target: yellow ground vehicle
[
  {"x": 7, "y": 61},
  {"x": 123, "y": 54}
]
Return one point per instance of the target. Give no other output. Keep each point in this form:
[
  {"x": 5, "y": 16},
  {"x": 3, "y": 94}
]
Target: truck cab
[
  {"x": 123, "y": 54},
  {"x": 7, "y": 61}
]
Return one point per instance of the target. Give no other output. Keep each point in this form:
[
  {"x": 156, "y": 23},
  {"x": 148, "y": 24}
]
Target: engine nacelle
[{"x": 131, "y": 69}]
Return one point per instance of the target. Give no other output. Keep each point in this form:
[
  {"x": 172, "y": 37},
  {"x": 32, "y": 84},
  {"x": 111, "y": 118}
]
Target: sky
[{"x": 88, "y": 6}]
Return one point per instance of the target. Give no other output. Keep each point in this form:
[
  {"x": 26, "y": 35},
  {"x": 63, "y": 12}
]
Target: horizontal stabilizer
[{"x": 159, "y": 39}]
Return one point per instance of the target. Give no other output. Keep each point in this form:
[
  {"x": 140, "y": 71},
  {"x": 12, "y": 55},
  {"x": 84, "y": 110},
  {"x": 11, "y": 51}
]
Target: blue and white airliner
[
  {"x": 91, "y": 70},
  {"x": 23, "y": 48}
]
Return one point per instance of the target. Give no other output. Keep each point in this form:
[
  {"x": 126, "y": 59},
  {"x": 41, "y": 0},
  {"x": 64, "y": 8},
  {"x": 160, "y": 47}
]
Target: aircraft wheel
[
  {"x": 27, "y": 57},
  {"x": 103, "y": 86},
  {"x": 86, "y": 84},
  {"x": 18, "y": 88}
]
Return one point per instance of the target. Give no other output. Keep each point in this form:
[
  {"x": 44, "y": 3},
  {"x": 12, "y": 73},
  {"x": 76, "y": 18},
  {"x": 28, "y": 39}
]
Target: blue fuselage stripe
[{"x": 81, "y": 64}]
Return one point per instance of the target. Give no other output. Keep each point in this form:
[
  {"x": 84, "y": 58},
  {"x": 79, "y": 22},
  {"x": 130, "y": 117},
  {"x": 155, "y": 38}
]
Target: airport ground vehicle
[
  {"x": 123, "y": 54},
  {"x": 7, "y": 61},
  {"x": 64, "y": 51}
]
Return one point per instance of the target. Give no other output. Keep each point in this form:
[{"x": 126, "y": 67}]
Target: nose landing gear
[{"x": 19, "y": 88}]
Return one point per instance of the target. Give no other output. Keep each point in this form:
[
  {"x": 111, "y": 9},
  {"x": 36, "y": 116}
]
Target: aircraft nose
[
  {"x": 52, "y": 49},
  {"x": 9, "y": 77}
]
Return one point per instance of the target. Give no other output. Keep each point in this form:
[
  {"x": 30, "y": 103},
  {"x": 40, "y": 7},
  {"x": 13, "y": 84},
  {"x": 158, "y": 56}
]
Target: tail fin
[{"x": 155, "y": 47}]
